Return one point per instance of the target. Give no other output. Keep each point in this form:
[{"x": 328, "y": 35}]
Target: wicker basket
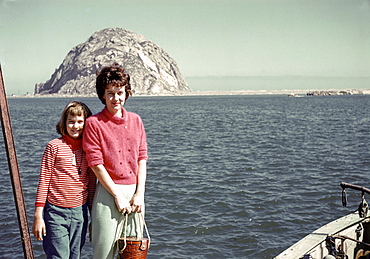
[{"x": 133, "y": 247}]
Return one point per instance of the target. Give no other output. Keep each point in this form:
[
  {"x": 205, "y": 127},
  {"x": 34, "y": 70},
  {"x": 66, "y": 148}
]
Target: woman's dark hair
[
  {"x": 112, "y": 75},
  {"x": 74, "y": 108}
]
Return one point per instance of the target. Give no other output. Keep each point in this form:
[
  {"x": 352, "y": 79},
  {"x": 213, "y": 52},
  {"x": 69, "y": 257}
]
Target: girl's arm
[
  {"x": 137, "y": 201},
  {"x": 38, "y": 227},
  {"x": 121, "y": 202},
  {"x": 48, "y": 160}
]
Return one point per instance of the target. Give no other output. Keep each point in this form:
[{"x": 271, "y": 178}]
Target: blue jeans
[{"x": 65, "y": 231}]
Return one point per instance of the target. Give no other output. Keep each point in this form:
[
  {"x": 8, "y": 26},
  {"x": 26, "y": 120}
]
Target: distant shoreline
[
  {"x": 279, "y": 92},
  {"x": 254, "y": 85},
  {"x": 229, "y": 92}
]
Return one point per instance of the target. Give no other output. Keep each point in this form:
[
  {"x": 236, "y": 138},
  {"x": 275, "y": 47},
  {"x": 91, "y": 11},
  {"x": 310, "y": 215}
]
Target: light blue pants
[
  {"x": 106, "y": 221},
  {"x": 65, "y": 231}
]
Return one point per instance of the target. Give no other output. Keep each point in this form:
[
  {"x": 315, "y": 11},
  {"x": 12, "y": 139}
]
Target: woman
[
  {"x": 116, "y": 150},
  {"x": 66, "y": 185}
]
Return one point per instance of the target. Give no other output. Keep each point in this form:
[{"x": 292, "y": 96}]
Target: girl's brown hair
[{"x": 74, "y": 108}]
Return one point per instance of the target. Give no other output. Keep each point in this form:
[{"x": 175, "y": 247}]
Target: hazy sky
[{"x": 205, "y": 37}]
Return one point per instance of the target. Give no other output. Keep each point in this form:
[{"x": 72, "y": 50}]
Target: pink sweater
[{"x": 117, "y": 143}]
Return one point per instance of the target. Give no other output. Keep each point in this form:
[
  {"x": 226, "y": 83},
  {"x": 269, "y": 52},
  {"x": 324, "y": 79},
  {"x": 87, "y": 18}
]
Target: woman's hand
[
  {"x": 137, "y": 203},
  {"x": 122, "y": 204}
]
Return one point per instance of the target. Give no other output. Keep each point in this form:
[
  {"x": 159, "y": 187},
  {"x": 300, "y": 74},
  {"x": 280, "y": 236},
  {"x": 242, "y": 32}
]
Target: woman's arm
[
  {"x": 121, "y": 202},
  {"x": 137, "y": 201}
]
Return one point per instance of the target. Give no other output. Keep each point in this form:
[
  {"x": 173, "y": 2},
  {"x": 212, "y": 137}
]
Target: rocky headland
[{"x": 151, "y": 69}]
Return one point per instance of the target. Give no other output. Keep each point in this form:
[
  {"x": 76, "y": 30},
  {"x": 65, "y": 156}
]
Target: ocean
[{"x": 228, "y": 176}]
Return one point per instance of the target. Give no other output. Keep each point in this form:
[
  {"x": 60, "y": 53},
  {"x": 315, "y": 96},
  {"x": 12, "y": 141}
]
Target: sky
[{"x": 214, "y": 38}]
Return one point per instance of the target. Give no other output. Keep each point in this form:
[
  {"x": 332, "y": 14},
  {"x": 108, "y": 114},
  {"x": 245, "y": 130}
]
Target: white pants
[{"x": 106, "y": 220}]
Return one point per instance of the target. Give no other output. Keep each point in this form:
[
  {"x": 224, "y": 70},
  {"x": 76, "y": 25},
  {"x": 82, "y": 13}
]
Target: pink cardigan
[{"x": 117, "y": 143}]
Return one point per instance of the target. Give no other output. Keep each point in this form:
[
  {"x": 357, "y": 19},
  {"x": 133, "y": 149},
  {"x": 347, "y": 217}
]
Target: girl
[{"x": 65, "y": 186}]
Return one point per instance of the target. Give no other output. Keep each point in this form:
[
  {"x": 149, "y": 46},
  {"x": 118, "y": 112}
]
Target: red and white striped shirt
[{"x": 65, "y": 178}]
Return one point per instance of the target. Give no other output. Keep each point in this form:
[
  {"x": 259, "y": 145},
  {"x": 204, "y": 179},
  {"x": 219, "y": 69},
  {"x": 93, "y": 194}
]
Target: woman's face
[
  {"x": 75, "y": 126},
  {"x": 114, "y": 98}
]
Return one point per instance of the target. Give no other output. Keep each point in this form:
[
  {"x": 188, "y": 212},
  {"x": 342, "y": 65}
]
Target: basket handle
[
  {"x": 123, "y": 227},
  {"x": 141, "y": 217}
]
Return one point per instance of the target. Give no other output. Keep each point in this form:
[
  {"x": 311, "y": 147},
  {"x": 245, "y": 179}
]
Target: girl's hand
[
  {"x": 137, "y": 203},
  {"x": 38, "y": 228},
  {"x": 122, "y": 204}
]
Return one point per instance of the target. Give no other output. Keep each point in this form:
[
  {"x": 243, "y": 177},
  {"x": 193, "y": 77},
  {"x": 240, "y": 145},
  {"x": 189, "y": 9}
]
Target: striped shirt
[{"x": 65, "y": 178}]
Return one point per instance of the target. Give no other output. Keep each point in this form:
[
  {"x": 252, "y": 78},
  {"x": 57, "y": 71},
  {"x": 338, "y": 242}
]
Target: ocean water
[{"x": 228, "y": 176}]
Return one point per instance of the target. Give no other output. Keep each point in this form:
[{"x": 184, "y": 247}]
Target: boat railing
[{"x": 363, "y": 207}]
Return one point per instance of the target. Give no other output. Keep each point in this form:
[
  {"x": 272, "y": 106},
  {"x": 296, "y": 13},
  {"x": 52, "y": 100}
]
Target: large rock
[{"x": 151, "y": 69}]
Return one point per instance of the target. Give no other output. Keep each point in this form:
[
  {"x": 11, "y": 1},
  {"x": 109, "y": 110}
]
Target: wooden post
[{"x": 14, "y": 172}]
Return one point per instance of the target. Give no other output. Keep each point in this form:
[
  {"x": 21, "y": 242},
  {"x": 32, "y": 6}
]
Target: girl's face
[{"x": 75, "y": 126}]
